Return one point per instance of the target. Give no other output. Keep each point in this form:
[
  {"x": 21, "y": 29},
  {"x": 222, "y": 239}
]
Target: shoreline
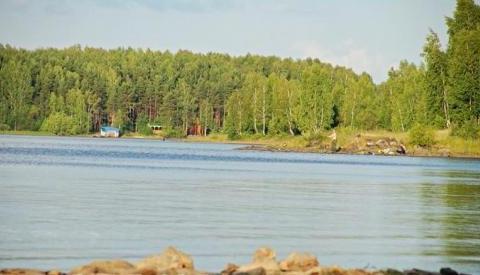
[
  {"x": 263, "y": 148},
  {"x": 279, "y": 144},
  {"x": 264, "y": 262}
]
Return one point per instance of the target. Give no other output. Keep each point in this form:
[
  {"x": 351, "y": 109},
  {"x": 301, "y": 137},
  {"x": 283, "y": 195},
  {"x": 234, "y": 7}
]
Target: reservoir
[{"x": 65, "y": 201}]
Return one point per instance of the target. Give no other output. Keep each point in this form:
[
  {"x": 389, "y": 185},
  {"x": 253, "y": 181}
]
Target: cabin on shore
[
  {"x": 156, "y": 128},
  {"x": 107, "y": 131}
]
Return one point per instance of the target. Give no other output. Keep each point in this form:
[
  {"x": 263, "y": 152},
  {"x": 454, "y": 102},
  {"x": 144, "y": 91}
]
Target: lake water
[{"x": 67, "y": 201}]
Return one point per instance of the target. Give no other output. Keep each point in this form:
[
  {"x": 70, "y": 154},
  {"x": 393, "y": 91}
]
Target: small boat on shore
[{"x": 107, "y": 131}]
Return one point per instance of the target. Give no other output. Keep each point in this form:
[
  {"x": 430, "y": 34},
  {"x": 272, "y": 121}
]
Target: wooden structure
[{"x": 156, "y": 128}]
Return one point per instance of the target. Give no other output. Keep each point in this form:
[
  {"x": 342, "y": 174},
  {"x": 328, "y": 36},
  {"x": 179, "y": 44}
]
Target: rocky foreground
[{"x": 175, "y": 262}]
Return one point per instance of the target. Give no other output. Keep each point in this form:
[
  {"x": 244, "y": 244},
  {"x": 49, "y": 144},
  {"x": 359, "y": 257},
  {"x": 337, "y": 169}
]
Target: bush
[
  {"x": 60, "y": 124},
  {"x": 314, "y": 138},
  {"x": 4, "y": 127},
  {"x": 468, "y": 130},
  {"x": 421, "y": 135},
  {"x": 173, "y": 133},
  {"x": 231, "y": 133},
  {"x": 142, "y": 126}
]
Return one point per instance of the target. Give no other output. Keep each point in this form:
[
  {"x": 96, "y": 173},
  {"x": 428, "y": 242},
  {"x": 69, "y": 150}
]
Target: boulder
[
  {"x": 229, "y": 269},
  {"x": 388, "y": 271},
  {"x": 385, "y": 151},
  {"x": 106, "y": 267},
  {"x": 255, "y": 271},
  {"x": 402, "y": 149},
  {"x": 444, "y": 152},
  {"x": 381, "y": 143},
  {"x": 263, "y": 258},
  {"x": 448, "y": 271},
  {"x": 335, "y": 270},
  {"x": 264, "y": 254},
  {"x": 21, "y": 271},
  {"x": 170, "y": 259},
  {"x": 299, "y": 262},
  {"x": 416, "y": 271}
]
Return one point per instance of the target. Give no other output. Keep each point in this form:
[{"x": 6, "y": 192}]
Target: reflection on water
[
  {"x": 452, "y": 215},
  {"x": 67, "y": 201}
]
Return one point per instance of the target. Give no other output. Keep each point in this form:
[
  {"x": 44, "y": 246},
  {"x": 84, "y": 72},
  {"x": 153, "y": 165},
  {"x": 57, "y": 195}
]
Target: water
[{"x": 67, "y": 201}]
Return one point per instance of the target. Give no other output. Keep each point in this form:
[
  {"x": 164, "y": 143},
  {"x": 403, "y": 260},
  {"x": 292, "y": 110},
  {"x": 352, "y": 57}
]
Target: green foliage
[
  {"x": 405, "y": 92},
  {"x": 463, "y": 64},
  {"x": 15, "y": 94},
  {"x": 421, "y": 135},
  {"x": 468, "y": 130},
  {"x": 314, "y": 138},
  {"x": 4, "y": 127},
  {"x": 231, "y": 133},
  {"x": 67, "y": 116},
  {"x": 60, "y": 124},
  {"x": 143, "y": 127},
  {"x": 437, "y": 104},
  {"x": 173, "y": 133}
]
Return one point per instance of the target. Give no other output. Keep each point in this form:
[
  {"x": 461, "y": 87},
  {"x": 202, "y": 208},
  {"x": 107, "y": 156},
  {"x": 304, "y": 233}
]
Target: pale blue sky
[{"x": 366, "y": 35}]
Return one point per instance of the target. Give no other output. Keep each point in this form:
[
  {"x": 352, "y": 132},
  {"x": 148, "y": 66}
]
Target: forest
[{"x": 78, "y": 89}]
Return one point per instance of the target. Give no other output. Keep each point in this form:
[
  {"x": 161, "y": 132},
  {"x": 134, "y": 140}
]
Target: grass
[
  {"x": 25, "y": 133},
  {"x": 458, "y": 146}
]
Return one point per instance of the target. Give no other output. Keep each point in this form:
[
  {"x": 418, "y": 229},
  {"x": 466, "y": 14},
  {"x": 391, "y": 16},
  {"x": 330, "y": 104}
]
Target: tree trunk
[
  {"x": 352, "y": 115},
  {"x": 264, "y": 113},
  {"x": 255, "y": 110},
  {"x": 289, "y": 114},
  {"x": 315, "y": 127}
]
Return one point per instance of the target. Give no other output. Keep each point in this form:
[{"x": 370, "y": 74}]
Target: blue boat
[{"x": 107, "y": 131}]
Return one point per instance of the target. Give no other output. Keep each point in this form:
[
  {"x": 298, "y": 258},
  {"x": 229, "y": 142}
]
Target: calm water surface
[{"x": 66, "y": 201}]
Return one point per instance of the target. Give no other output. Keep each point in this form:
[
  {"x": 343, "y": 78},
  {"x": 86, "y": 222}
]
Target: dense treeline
[{"x": 76, "y": 90}]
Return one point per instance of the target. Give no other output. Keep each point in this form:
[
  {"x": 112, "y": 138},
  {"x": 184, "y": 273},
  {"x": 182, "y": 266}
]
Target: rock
[
  {"x": 381, "y": 143},
  {"x": 335, "y": 270},
  {"x": 21, "y": 271},
  {"x": 108, "y": 267},
  {"x": 55, "y": 272},
  {"x": 146, "y": 272},
  {"x": 419, "y": 272},
  {"x": 390, "y": 271},
  {"x": 263, "y": 258},
  {"x": 315, "y": 271},
  {"x": 370, "y": 143},
  {"x": 385, "y": 151},
  {"x": 299, "y": 262},
  {"x": 393, "y": 143},
  {"x": 255, "y": 271},
  {"x": 444, "y": 152},
  {"x": 229, "y": 269},
  {"x": 170, "y": 258},
  {"x": 448, "y": 271},
  {"x": 402, "y": 149},
  {"x": 263, "y": 254}
]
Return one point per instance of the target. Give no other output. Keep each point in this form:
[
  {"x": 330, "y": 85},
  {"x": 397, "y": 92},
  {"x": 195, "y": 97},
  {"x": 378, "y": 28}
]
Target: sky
[{"x": 366, "y": 35}]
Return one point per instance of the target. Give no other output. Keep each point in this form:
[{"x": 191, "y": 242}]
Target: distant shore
[{"x": 349, "y": 142}]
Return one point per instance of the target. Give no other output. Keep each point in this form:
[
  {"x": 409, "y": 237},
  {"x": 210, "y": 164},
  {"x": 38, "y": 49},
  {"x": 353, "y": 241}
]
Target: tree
[
  {"x": 405, "y": 90},
  {"x": 16, "y": 94},
  {"x": 463, "y": 62},
  {"x": 315, "y": 109},
  {"x": 435, "y": 79}
]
